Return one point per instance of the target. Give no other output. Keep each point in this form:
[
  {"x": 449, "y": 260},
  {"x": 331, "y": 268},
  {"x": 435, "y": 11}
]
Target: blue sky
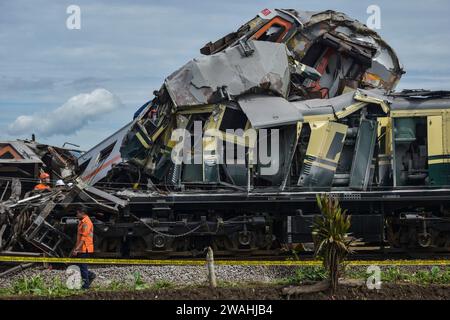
[{"x": 129, "y": 47}]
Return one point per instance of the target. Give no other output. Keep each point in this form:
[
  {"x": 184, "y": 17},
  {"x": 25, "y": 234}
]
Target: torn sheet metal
[
  {"x": 267, "y": 112},
  {"x": 314, "y": 33},
  {"x": 385, "y": 71},
  {"x": 341, "y": 105},
  {"x": 112, "y": 201},
  {"x": 231, "y": 73},
  {"x": 412, "y": 104},
  {"x": 325, "y": 106}
]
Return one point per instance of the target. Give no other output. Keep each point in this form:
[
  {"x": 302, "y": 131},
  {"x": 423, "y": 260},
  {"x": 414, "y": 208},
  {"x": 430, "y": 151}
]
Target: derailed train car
[
  {"x": 383, "y": 156},
  {"x": 313, "y": 90}
]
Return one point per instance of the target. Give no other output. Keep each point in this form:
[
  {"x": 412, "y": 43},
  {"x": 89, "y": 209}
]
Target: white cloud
[{"x": 73, "y": 115}]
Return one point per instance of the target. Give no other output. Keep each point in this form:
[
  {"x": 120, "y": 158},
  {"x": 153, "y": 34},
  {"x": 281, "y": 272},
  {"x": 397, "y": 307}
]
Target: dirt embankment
[{"x": 269, "y": 292}]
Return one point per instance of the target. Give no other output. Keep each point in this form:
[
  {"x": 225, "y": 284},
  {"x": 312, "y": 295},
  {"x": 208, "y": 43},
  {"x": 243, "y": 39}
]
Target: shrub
[{"x": 331, "y": 238}]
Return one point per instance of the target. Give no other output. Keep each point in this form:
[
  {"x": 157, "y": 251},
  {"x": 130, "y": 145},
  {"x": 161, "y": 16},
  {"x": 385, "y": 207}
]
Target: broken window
[
  {"x": 337, "y": 60},
  {"x": 105, "y": 153},
  {"x": 274, "y": 31},
  {"x": 233, "y": 119}
]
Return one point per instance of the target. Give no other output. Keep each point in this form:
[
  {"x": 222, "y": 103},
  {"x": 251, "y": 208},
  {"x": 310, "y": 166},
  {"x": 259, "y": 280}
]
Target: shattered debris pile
[
  {"x": 31, "y": 218},
  {"x": 320, "y": 78}
]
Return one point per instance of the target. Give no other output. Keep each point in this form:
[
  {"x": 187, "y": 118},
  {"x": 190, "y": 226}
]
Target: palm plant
[{"x": 331, "y": 237}]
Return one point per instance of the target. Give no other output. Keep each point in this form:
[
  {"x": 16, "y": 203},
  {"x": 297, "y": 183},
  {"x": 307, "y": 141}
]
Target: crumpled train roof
[{"x": 197, "y": 82}]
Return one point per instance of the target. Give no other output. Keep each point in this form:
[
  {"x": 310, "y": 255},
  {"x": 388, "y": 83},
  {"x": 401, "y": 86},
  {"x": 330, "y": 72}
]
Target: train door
[
  {"x": 438, "y": 157},
  {"x": 362, "y": 169},
  {"x": 323, "y": 154},
  {"x": 384, "y": 166}
]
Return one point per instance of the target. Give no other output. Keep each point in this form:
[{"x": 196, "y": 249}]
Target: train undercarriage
[{"x": 264, "y": 223}]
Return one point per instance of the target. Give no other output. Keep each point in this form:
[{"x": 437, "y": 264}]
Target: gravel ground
[
  {"x": 182, "y": 275},
  {"x": 179, "y": 275}
]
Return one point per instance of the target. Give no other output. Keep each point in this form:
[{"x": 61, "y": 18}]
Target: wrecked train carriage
[
  {"x": 344, "y": 51},
  {"x": 384, "y": 157},
  {"x": 383, "y": 165},
  {"x": 45, "y": 221},
  {"x": 22, "y": 161}
]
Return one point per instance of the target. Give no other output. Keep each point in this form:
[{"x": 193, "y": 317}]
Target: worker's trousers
[{"x": 86, "y": 275}]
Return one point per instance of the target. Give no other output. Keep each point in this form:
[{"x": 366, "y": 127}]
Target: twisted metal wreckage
[{"x": 322, "y": 79}]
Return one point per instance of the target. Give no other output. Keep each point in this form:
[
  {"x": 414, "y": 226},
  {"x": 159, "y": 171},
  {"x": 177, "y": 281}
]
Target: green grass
[
  {"x": 311, "y": 274},
  {"x": 356, "y": 274},
  {"x": 162, "y": 284},
  {"x": 139, "y": 283},
  {"x": 435, "y": 275},
  {"x": 35, "y": 286},
  {"x": 395, "y": 274},
  {"x": 115, "y": 286},
  {"x": 302, "y": 274}
]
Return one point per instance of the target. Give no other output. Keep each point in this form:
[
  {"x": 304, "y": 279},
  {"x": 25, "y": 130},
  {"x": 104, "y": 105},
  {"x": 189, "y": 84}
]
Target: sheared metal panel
[
  {"x": 266, "y": 112},
  {"x": 209, "y": 78},
  {"x": 363, "y": 156},
  {"x": 325, "y": 106},
  {"x": 323, "y": 153}
]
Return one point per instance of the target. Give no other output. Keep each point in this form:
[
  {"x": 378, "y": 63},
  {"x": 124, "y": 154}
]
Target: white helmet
[{"x": 60, "y": 183}]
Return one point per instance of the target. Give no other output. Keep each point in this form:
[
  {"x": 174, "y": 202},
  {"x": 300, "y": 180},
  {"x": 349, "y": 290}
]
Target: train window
[
  {"x": 274, "y": 31},
  {"x": 105, "y": 153},
  {"x": 272, "y": 34},
  {"x": 410, "y": 151}
]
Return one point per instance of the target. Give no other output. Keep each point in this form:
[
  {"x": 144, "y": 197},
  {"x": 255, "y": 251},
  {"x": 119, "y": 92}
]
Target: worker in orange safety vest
[
  {"x": 43, "y": 185},
  {"x": 85, "y": 245}
]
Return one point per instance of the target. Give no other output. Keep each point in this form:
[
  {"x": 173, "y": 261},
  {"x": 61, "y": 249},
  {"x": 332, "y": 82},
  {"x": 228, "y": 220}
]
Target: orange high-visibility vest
[
  {"x": 41, "y": 187},
  {"x": 86, "y": 234}
]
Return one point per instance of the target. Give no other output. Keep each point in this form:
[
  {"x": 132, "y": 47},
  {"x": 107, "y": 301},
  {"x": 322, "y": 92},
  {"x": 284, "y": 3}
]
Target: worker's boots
[{"x": 92, "y": 277}]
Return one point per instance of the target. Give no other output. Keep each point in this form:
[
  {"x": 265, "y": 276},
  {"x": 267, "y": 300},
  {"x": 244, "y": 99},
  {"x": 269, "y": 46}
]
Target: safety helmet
[
  {"x": 60, "y": 183},
  {"x": 44, "y": 175}
]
